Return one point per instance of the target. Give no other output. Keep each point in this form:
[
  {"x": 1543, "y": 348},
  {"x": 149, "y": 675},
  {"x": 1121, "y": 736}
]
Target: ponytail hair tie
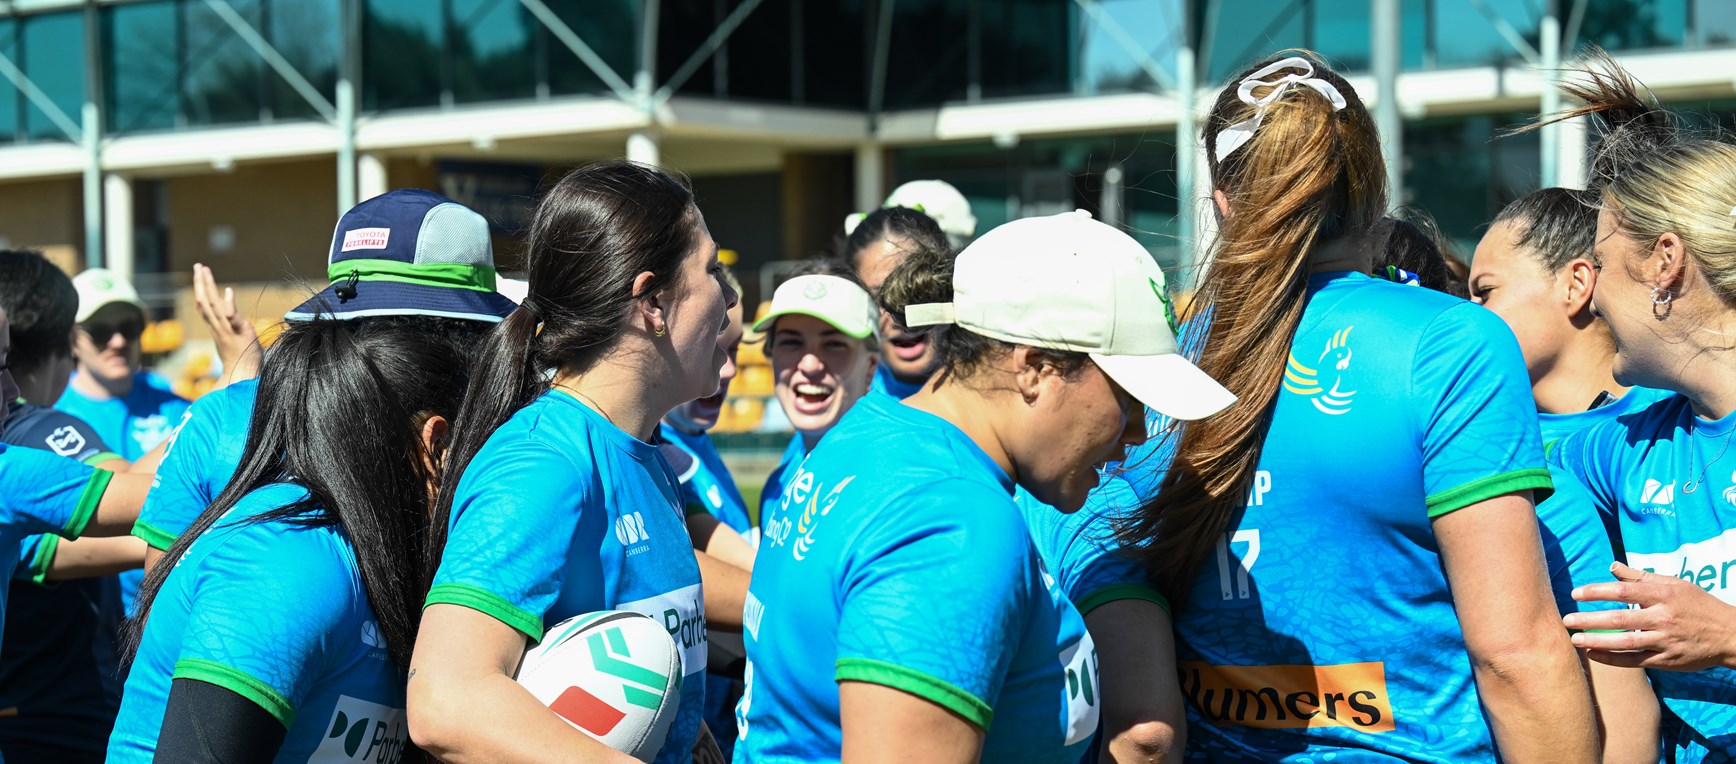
[{"x": 1232, "y": 137}]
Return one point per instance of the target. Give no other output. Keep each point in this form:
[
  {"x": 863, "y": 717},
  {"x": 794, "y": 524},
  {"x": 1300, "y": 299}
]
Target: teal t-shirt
[
  {"x": 1323, "y": 627},
  {"x": 708, "y": 480},
  {"x": 41, "y": 492},
  {"x": 1558, "y": 426},
  {"x": 132, "y": 425},
  {"x": 562, "y": 513},
  {"x": 1669, "y": 477},
  {"x": 772, "y": 492},
  {"x": 1080, "y": 549},
  {"x": 274, "y": 611},
  {"x": 204, "y": 455},
  {"x": 896, "y": 556}
]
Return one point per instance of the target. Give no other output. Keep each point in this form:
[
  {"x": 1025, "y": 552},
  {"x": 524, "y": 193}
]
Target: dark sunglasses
[{"x": 101, "y": 331}]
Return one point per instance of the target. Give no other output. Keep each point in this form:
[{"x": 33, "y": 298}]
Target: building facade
[{"x": 147, "y": 135}]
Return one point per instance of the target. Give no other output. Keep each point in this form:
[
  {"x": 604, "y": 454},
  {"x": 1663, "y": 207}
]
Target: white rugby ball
[{"x": 613, "y": 674}]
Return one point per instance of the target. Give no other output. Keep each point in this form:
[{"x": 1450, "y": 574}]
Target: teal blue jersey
[
  {"x": 132, "y": 425},
  {"x": 1080, "y": 549},
  {"x": 561, "y": 513},
  {"x": 1322, "y": 628},
  {"x": 1558, "y": 426},
  {"x": 708, "y": 480},
  {"x": 896, "y": 556},
  {"x": 204, "y": 455},
  {"x": 885, "y": 382},
  {"x": 274, "y": 611},
  {"x": 1669, "y": 477},
  {"x": 772, "y": 493},
  {"x": 41, "y": 492}
]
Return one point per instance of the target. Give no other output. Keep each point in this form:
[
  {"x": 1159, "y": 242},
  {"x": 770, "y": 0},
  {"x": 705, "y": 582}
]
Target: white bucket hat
[{"x": 1068, "y": 282}]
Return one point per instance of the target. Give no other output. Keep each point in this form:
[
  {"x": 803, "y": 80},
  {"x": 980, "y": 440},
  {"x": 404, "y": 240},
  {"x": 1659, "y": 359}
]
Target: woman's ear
[
  {"x": 1672, "y": 262},
  {"x": 653, "y": 310},
  {"x": 1221, "y": 201},
  {"x": 1581, "y": 278},
  {"x": 434, "y": 430}
]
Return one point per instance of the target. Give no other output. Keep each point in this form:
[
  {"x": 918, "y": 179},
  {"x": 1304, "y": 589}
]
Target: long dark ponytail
[
  {"x": 339, "y": 412},
  {"x": 593, "y": 233}
]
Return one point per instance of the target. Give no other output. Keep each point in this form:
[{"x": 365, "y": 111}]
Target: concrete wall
[
  {"x": 260, "y": 222},
  {"x": 46, "y": 215}
]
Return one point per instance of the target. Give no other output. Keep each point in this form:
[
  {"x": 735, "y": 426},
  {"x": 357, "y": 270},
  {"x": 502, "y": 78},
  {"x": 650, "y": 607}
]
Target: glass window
[
  {"x": 11, "y": 101},
  {"x": 143, "y": 78},
  {"x": 1463, "y": 36},
  {"x": 758, "y": 65},
  {"x": 682, "y": 28},
  {"x": 834, "y": 44},
  {"x": 611, "y": 29},
  {"x": 403, "y": 54},
  {"x": 1459, "y": 175},
  {"x": 1714, "y": 22},
  {"x": 1633, "y": 24},
  {"x": 1240, "y": 32},
  {"x": 1026, "y": 47},
  {"x": 224, "y": 78},
  {"x": 307, "y": 33},
  {"x": 1106, "y": 67},
  {"x": 493, "y": 51},
  {"x": 928, "y": 61},
  {"x": 54, "y": 59}
]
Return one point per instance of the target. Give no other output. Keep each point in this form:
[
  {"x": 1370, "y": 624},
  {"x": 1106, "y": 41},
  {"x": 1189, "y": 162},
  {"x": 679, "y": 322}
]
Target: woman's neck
[
  {"x": 1346, "y": 253},
  {"x": 1702, "y": 364},
  {"x": 970, "y": 411},
  {"x": 618, "y": 392},
  {"x": 1578, "y": 374},
  {"x": 99, "y": 389}
]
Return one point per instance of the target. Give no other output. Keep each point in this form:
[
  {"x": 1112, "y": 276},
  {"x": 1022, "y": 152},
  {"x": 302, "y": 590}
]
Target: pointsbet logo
[
  {"x": 363, "y": 731},
  {"x": 1352, "y": 695}
]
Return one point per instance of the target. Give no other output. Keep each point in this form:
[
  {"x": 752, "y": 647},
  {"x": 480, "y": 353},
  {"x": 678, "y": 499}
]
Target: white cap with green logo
[
  {"x": 100, "y": 287},
  {"x": 837, "y": 301},
  {"x": 1068, "y": 282}
]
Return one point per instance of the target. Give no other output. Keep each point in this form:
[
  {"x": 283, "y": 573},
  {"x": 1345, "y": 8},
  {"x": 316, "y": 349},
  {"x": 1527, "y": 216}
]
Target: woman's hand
[
  {"x": 1679, "y": 626},
  {"x": 237, "y": 342}
]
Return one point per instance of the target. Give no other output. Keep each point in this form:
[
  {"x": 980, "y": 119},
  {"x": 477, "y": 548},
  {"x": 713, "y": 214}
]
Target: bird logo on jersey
[
  {"x": 1311, "y": 382},
  {"x": 1730, "y": 493}
]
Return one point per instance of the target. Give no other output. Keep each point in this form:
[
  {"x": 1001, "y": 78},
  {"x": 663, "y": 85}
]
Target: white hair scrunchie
[{"x": 1232, "y": 137}]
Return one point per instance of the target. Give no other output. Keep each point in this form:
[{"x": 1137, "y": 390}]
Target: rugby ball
[{"x": 613, "y": 674}]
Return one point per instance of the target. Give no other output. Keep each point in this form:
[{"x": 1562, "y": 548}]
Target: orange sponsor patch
[{"x": 1291, "y": 697}]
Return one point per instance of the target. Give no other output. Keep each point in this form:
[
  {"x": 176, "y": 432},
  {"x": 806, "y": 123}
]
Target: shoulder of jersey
[{"x": 614, "y": 675}]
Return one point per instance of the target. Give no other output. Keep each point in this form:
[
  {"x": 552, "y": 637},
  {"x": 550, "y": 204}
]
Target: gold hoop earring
[{"x": 660, "y": 331}]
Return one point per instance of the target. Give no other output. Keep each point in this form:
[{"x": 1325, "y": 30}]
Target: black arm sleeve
[{"x": 207, "y": 723}]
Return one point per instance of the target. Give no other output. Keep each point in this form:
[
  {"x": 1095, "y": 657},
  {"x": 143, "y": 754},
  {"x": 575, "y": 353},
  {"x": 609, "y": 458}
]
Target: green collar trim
[{"x": 449, "y": 275}]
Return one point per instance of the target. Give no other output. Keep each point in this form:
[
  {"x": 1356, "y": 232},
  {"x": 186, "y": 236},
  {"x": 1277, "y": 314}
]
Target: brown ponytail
[{"x": 1309, "y": 176}]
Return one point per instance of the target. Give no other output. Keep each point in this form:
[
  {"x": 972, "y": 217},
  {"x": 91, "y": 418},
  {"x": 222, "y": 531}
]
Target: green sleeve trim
[
  {"x": 87, "y": 502},
  {"x": 1452, "y": 499},
  {"x": 156, "y": 537},
  {"x": 100, "y": 457},
  {"x": 44, "y": 558},
  {"x": 488, "y": 603},
  {"x": 238, "y": 682},
  {"x": 1106, "y": 594},
  {"x": 941, "y": 693}
]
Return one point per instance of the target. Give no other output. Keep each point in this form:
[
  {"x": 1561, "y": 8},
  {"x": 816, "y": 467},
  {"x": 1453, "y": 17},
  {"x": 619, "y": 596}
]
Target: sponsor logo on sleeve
[
  {"x": 363, "y": 731},
  {"x": 682, "y": 613},
  {"x": 366, "y": 238},
  {"x": 1079, "y": 661},
  {"x": 148, "y": 431},
  {"x": 1350, "y": 695},
  {"x": 65, "y": 441},
  {"x": 1709, "y": 564}
]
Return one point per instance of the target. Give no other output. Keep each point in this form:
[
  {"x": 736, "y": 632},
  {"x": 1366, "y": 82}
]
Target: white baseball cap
[
  {"x": 837, "y": 301},
  {"x": 939, "y": 200},
  {"x": 1067, "y": 282},
  {"x": 100, "y": 287}
]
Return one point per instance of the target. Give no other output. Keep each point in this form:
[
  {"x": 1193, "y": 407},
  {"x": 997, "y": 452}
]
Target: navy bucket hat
[{"x": 409, "y": 252}]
